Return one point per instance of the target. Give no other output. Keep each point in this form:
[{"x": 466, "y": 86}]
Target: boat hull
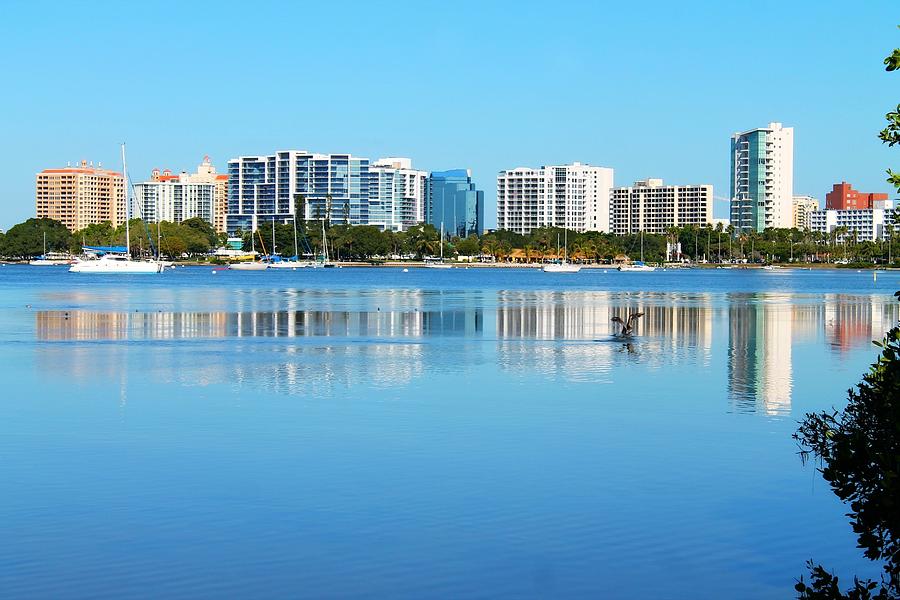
[
  {"x": 248, "y": 266},
  {"x": 41, "y": 262},
  {"x": 123, "y": 267},
  {"x": 565, "y": 268}
]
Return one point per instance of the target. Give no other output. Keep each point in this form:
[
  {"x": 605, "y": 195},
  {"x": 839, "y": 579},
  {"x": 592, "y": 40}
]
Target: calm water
[{"x": 464, "y": 433}]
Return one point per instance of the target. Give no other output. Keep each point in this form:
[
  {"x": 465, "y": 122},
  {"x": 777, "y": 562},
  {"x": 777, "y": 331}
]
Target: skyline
[{"x": 512, "y": 87}]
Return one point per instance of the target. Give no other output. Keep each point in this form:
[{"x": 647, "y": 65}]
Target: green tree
[
  {"x": 859, "y": 450},
  {"x": 27, "y": 239},
  {"x": 469, "y": 246}
]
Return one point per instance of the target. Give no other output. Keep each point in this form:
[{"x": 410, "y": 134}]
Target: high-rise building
[
  {"x": 803, "y": 206},
  {"x": 652, "y": 207},
  {"x": 843, "y": 197},
  {"x": 865, "y": 224},
  {"x": 175, "y": 198},
  {"x": 396, "y": 194},
  {"x": 573, "y": 196},
  {"x": 206, "y": 173},
  {"x": 453, "y": 201},
  {"x": 314, "y": 186},
  {"x": 80, "y": 196},
  {"x": 762, "y": 178}
]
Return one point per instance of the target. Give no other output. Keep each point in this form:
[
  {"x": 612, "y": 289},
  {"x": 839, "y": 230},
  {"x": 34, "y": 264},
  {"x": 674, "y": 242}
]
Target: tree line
[
  {"x": 190, "y": 237},
  {"x": 711, "y": 244}
]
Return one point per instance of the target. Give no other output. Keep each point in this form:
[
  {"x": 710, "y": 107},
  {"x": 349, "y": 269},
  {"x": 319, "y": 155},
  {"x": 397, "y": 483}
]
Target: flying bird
[{"x": 628, "y": 324}]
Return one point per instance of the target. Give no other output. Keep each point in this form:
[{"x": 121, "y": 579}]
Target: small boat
[
  {"x": 638, "y": 266},
  {"x": 564, "y": 266},
  {"x": 248, "y": 266},
  {"x": 439, "y": 264},
  {"x": 51, "y": 259},
  {"x": 276, "y": 262}
]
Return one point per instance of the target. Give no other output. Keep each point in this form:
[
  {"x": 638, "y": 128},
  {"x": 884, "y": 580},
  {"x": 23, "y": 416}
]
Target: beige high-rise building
[
  {"x": 80, "y": 196},
  {"x": 206, "y": 173},
  {"x": 652, "y": 207},
  {"x": 804, "y": 206}
]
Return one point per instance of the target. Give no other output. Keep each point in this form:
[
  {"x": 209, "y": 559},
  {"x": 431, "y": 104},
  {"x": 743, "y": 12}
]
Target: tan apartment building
[
  {"x": 804, "y": 206},
  {"x": 653, "y": 207},
  {"x": 80, "y": 196}
]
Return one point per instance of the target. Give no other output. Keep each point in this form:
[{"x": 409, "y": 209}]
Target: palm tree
[
  {"x": 492, "y": 247},
  {"x": 425, "y": 247},
  {"x": 529, "y": 249}
]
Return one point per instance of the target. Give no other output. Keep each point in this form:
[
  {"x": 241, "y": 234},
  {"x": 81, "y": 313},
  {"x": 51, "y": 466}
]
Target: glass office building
[
  {"x": 453, "y": 201},
  {"x": 266, "y": 188}
]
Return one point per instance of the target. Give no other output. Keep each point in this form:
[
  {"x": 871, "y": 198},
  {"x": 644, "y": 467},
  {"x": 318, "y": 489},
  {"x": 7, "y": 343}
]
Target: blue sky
[{"x": 652, "y": 89}]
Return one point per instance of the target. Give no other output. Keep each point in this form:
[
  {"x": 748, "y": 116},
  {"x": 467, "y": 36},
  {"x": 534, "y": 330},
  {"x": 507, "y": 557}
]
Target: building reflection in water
[
  {"x": 763, "y": 328},
  {"x": 675, "y": 328},
  {"x": 852, "y": 320},
  {"x": 302, "y": 367},
  {"x": 564, "y": 334},
  {"x": 759, "y": 352},
  {"x": 77, "y": 325}
]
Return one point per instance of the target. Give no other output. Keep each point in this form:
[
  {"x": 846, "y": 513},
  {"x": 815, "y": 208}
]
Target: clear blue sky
[{"x": 652, "y": 89}]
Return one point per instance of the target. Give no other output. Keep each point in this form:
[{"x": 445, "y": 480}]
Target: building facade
[
  {"x": 573, "y": 196},
  {"x": 803, "y": 207},
  {"x": 762, "y": 178},
  {"x": 867, "y": 224},
  {"x": 453, "y": 202},
  {"x": 332, "y": 187},
  {"x": 175, "y": 198},
  {"x": 843, "y": 197},
  {"x": 396, "y": 194},
  {"x": 652, "y": 207},
  {"x": 206, "y": 173},
  {"x": 80, "y": 196}
]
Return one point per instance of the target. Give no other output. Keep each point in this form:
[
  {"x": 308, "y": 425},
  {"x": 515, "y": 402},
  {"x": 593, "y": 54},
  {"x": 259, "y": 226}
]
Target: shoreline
[{"x": 537, "y": 266}]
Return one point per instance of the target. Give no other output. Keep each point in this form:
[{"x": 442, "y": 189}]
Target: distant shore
[{"x": 534, "y": 266}]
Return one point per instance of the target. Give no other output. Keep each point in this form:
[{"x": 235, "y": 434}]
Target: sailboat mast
[
  {"x": 296, "y": 251},
  {"x": 127, "y": 205},
  {"x": 566, "y": 247},
  {"x": 442, "y": 241},
  {"x": 642, "y": 245}
]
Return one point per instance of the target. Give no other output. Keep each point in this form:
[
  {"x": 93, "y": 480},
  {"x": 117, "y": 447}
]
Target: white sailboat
[
  {"x": 50, "y": 259},
  {"x": 564, "y": 266},
  {"x": 638, "y": 266},
  {"x": 325, "y": 262},
  {"x": 440, "y": 264},
  {"x": 109, "y": 262},
  {"x": 276, "y": 262},
  {"x": 251, "y": 265}
]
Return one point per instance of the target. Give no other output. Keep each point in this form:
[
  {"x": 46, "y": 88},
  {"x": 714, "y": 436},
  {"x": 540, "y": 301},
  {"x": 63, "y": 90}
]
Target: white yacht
[
  {"x": 117, "y": 260},
  {"x": 114, "y": 262},
  {"x": 564, "y": 266},
  {"x": 439, "y": 263},
  {"x": 248, "y": 266},
  {"x": 638, "y": 266},
  {"x": 52, "y": 258}
]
